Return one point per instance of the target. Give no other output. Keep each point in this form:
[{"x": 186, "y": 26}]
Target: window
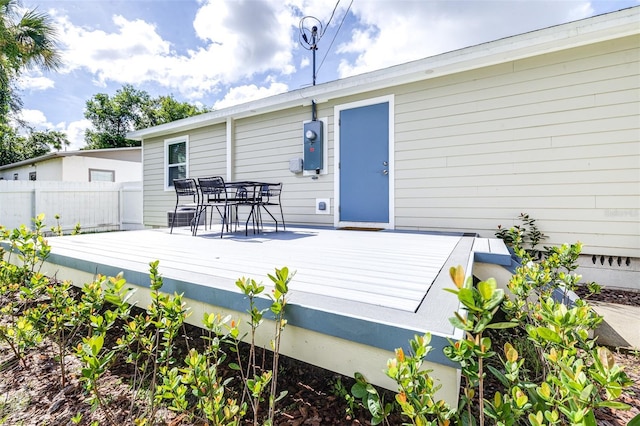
[
  {"x": 15, "y": 176},
  {"x": 97, "y": 175},
  {"x": 32, "y": 175},
  {"x": 176, "y": 166}
]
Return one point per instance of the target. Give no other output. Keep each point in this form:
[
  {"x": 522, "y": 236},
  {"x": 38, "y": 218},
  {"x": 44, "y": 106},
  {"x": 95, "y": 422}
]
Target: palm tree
[{"x": 27, "y": 40}]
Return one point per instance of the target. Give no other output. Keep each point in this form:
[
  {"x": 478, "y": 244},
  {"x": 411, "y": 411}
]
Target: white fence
[{"x": 96, "y": 206}]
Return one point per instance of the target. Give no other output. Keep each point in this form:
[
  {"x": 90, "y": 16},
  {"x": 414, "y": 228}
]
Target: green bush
[{"x": 567, "y": 375}]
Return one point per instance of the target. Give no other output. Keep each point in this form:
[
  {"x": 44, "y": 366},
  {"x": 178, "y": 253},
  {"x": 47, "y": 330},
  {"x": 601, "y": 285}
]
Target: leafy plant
[
  {"x": 526, "y": 235},
  {"x": 202, "y": 377},
  {"x": 574, "y": 376},
  {"x": 281, "y": 281},
  {"x": 340, "y": 390},
  {"x": 21, "y": 284},
  {"x": 58, "y": 231},
  {"x": 254, "y": 383},
  {"x": 103, "y": 302},
  {"x": 149, "y": 341}
]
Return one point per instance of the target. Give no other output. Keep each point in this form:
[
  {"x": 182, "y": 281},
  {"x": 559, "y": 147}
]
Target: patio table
[
  {"x": 233, "y": 194},
  {"x": 251, "y": 193}
]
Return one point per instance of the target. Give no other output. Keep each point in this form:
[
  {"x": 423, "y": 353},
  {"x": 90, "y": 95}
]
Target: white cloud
[
  {"x": 35, "y": 118},
  {"x": 251, "y": 92},
  {"x": 127, "y": 55},
  {"x": 246, "y": 37},
  {"x": 238, "y": 39},
  {"x": 35, "y": 82},
  {"x": 75, "y": 133},
  {"x": 387, "y": 34}
]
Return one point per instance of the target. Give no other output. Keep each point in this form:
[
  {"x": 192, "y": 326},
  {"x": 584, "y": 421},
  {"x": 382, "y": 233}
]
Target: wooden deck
[{"x": 358, "y": 294}]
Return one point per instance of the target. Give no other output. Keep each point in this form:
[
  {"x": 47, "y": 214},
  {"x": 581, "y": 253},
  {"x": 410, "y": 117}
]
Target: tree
[
  {"x": 113, "y": 117},
  {"x": 130, "y": 109},
  {"x": 26, "y": 41},
  {"x": 48, "y": 138},
  {"x": 165, "y": 109},
  {"x": 15, "y": 147},
  {"x": 9, "y": 140}
]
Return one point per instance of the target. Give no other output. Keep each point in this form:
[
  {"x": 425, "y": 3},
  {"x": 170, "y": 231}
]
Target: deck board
[{"x": 392, "y": 270}]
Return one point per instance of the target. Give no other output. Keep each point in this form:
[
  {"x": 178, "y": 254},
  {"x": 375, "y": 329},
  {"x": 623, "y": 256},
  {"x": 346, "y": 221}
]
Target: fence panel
[{"x": 96, "y": 206}]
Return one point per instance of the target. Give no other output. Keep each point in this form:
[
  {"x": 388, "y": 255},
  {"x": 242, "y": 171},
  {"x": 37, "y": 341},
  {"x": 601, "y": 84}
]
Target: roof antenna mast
[{"x": 309, "y": 37}]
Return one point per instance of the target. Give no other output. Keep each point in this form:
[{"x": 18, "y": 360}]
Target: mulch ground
[{"x": 34, "y": 396}]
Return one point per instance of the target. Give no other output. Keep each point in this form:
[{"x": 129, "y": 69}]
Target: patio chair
[
  {"x": 270, "y": 196},
  {"x": 185, "y": 188},
  {"x": 215, "y": 194}
]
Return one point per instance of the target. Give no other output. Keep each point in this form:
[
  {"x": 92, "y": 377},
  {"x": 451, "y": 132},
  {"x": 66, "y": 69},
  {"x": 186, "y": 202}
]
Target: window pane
[
  {"x": 101, "y": 175},
  {"x": 177, "y": 153},
  {"x": 176, "y": 172}
]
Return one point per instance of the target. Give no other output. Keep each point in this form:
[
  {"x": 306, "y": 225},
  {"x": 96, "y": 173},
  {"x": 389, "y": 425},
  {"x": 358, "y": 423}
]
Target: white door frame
[{"x": 336, "y": 135}]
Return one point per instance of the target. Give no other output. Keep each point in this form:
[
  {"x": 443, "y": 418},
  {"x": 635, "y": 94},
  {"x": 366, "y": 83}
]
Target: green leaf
[
  {"x": 548, "y": 334},
  {"x": 635, "y": 421},
  {"x": 457, "y": 323},
  {"x": 502, "y": 325},
  {"x": 359, "y": 390},
  {"x": 616, "y": 405},
  {"x": 465, "y": 295},
  {"x": 234, "y": 366},
  {"x": 281, "y": 395},
  {"x": 498, "y": 374},
  {"x": 486, "y": 288}
]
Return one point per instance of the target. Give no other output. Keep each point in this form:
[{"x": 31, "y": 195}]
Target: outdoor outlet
[{"x": 323, "y": 206}]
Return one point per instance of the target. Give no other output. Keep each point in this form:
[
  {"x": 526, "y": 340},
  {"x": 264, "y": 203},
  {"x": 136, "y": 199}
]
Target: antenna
[{"x": 310, "y": 34}]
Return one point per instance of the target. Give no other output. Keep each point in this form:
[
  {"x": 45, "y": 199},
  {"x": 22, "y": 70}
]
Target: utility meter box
[{"x": 313, "y": 149}]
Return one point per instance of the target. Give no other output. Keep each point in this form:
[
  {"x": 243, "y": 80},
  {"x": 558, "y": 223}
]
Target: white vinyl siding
[
  {"x": 263, "y": 147},
  {"x": 555, "y": 136},
  {"x": 205, "y": 156}
]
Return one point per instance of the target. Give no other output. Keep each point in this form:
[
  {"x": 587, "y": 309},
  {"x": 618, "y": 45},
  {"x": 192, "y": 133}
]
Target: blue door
[{"x": 364, "y": 164}]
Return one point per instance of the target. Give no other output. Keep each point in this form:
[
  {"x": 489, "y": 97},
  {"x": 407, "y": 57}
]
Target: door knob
[
  {"x": 385, "y": 172},
  {"x": 385, "y": 163}
]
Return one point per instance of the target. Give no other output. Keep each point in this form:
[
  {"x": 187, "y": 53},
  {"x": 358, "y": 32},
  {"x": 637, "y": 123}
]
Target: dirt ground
[{"x": 34, "y": 396}]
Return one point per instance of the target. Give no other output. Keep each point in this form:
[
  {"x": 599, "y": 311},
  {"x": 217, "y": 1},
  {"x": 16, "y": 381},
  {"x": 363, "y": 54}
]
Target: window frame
[
  {"x": 168, "y": 186},
  {"x": 113, "y": 175}
]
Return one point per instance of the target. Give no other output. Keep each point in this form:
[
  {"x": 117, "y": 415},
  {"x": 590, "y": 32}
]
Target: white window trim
[
  {"x": 165, "y": 164},
  {"x": 112, "y": 172}
]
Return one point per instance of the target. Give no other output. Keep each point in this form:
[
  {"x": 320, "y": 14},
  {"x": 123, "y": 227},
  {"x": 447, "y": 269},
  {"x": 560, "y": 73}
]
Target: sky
[{"x": 218, "y": 53}]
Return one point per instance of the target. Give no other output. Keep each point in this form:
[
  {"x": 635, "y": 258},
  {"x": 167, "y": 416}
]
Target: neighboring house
[
  {"x": 545, "y": 123},
  {"x": 93, "y": 165}
]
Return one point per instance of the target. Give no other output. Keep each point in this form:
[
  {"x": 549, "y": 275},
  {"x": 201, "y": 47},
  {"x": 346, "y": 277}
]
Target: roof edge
[
  {"x": 50, "y": 155},
  {"x": 573, "y": 34}
]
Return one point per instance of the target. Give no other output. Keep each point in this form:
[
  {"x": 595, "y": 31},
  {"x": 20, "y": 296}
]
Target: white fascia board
[{"x": 600, "y": 28}]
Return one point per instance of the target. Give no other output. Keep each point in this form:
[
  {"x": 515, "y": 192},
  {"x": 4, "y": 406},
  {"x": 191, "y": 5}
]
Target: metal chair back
[{"x": 185, "y": 188}]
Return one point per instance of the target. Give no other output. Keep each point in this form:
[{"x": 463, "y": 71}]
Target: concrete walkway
[{"x": 621, "y": 325}]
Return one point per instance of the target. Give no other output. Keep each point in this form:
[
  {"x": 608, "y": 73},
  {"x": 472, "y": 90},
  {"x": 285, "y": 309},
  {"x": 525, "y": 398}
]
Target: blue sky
[{"x": 223, "y": 52}]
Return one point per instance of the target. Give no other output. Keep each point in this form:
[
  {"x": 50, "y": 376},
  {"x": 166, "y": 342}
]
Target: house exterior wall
[
  {"x": 556, "y": 136},
  {"x": 75, "y": 169},
  {"x": 206, "y": 156},
  {"x": 263, "y": 147},
  {"x": 45, "y": 170}
]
